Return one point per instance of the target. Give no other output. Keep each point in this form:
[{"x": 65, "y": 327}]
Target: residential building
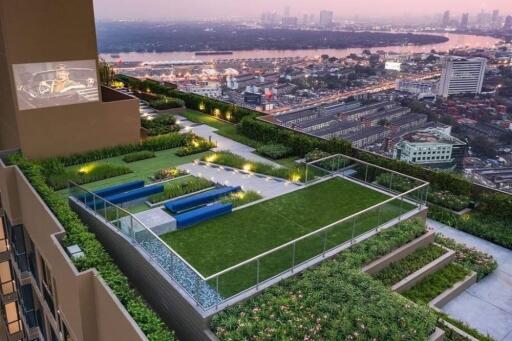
[
  {"x": 43, "y": 295},
  {"x": 416, "y": 87},
  {"x": 464, "y": 21},
  {"x": 461, "y": 76},
  {"x": 430, "y": 147}
]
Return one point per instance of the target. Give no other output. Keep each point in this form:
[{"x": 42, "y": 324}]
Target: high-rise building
[
  {"x": 51, "y": 103},
  {"x": 495, "y": 19},
  {"x": 508, "y": 23},
  {"x": 446, "y": 19},
  {"x": 286, "y": 12},
  {"x": 464, "y": 22},
  {"x": 461, "y": 75},
  {"x": 326, "y": 18}
]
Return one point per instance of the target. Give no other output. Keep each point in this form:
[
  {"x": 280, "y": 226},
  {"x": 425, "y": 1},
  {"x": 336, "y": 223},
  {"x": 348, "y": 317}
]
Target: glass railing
[{"x": 404, "y": 196}]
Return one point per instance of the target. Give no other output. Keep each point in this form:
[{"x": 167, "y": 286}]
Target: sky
[{"x": 217, "y": 9}]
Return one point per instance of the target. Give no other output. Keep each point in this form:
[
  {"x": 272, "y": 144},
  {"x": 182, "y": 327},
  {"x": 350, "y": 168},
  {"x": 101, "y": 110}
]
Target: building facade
[{"x": 461, "y": 76}]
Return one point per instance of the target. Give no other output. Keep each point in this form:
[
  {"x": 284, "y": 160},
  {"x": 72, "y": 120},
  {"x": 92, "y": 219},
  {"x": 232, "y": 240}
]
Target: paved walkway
[
  {"x": 266, "y": 187},
  {"x": 486, "y": 305},
  {"x": 223, "y": 143}
]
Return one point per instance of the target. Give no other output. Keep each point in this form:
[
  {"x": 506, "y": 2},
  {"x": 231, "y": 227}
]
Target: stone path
[
  {"x": 223, "y": 143},
  {"x": 486, "y": 305},
  {"x": 266, "y": 187}
]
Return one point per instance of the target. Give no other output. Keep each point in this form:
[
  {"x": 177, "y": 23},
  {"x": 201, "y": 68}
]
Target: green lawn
[
  {"x": 223, "y": 128},
  {"x": 226, "y": 241},
  {"x": 143, "y": 169}
]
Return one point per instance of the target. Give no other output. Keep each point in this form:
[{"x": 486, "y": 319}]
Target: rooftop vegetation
[{"x": 333, "y": 301}]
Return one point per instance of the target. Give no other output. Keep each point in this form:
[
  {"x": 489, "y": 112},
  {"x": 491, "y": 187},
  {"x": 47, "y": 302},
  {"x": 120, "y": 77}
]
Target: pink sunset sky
[{"x": 204, "y": 9}]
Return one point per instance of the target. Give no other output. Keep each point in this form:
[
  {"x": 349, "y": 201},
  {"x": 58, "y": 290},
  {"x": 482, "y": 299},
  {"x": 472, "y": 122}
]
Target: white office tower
[{"x": 461, "y": 75}]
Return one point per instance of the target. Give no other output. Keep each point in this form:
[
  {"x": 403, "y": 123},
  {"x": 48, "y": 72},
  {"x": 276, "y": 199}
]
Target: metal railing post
[
  {"x": 353, "y": 229},
  {"x": 257, "y": 273},
  {"x": 293, "y": 255},
  {"x": 391, "y": 182},
  {"x": 401, "y": 204},
  {"x": 325, "y": 243},
  {"x": 197, "y": 290},
  {"x": 307, "y": 168},
  {"x": 366, "y": 174},
  {"x": 379, "y": 217}
]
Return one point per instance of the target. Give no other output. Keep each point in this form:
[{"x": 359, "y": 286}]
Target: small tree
[{"x": 107, "y": 73}]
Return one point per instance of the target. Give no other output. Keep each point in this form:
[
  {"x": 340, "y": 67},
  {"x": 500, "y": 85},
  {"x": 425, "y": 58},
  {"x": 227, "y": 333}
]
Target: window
[
  {"x": 12, "y": 317},
  {"x": 7, "y": 285},
  {"x": 3, "y": 238}
]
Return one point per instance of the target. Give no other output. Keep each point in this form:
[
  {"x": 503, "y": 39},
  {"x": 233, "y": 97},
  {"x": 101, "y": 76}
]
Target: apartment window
[
  {"x": 7, "y": 285},
  {"x": 12, "y": 318},
  {"x": 18, "y": 244},
  {"x": 46, "y": 285}
]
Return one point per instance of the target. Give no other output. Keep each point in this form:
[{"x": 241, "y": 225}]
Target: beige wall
[
  {"x": 86, "y": 304},
  {"x": 51, "y": 31}
]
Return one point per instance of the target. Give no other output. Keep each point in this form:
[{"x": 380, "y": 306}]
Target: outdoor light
[
  {"x": 216, "y": 112},
  {"x": 247, "y": 167},
  {"x": 295, "y": 177},
  {"x": 201, "y": 107},
  {"x": 228, "y": 116}
]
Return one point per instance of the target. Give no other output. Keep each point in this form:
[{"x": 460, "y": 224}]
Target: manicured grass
[
  {"x": 226, "y": 241},
  {"x": 223, "y": 128},
  {"x": 410, "y": 264},
  {"x": 142, "y": 170},
  {"x": 436, "y": 283}
]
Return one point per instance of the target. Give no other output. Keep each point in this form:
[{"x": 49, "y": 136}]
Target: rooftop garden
[
  {"x": 226, "y": 241},
  {"x": 333, "y": 301}
]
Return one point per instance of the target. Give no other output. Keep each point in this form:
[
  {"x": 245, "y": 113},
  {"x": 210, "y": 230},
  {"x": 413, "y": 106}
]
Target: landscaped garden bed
[
  {"x": 163, "y": 124},
  {"x": 168, "y": 174},
  {"x": 138, "y": 156},
  {"x": 173, "y": 190},
  {"x": 333, "y": 301},
  {"x": 229, "y": 159},
  {"x": 241, "y": 198},
  {"x": 436, "y": 283},
  {"x": 410, "y": 264},
  {"x": 274, "y": 151}
]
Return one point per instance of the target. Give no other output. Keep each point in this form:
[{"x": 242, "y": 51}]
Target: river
[{"x": 455, "y": 41}]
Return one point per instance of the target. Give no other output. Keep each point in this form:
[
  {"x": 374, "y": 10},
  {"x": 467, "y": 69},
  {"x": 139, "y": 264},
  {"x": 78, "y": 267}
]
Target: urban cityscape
[{"x": 278, "y": 170}]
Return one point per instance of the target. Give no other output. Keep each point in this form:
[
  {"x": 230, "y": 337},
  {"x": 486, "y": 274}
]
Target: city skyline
[{"x": 195, "y": 9}]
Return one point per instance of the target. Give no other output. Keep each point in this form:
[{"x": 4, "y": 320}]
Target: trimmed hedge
[
  {"x": 95, "y": 255},
  {"x": 274, "y": 151},
  {"x": 160, "y": 125},
  {"x": 241, "y": 198},
  {"x": 138, "y": 156},
  {"x": 156, "y": 143},
  {"x": 87, "y": 174},
  {"x": 333, "y": 301},
  {"x": 168, "y": 173},
  {"x": 165, "y": 103},
  {"x": 196, "y": 146}
]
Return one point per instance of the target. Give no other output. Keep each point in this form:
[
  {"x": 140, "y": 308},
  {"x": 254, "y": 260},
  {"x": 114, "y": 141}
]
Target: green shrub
[
  {"x": 395, "y": 182},
  {"x": 160, "y": 125},
  {"x": 84, "y": 175},
  {"x": 168, "y": 173},
  {"x": 137, "y": 156},
  {"x": 395, "y": 272},
  {"x": 316, "y": 154},
  {"x": 449, "y": 200},
  {"x": 436, "y": 283},
  {"x": 332, "y": 302},
  {"x": 486, "y": 227},
  {"x": 241, "y": 198},
  {"x": 470, "y": 258},
  {"x": 95, "y": 255},
  {"x": 174, "y": 190},
  {"x": 497, "y": 205},
  {"x": 165, "y": 103},
  {"x": 274, "y": 151},
  {"x": 235, "y": 161},
  {"x": 195, "y": 146},
  {"x": 156, "y": 143}
]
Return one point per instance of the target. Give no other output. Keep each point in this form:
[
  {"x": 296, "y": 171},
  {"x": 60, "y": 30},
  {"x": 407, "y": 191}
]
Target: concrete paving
[
  {"x": 223, "y": 143},
  {"x": 486, "y": 305},
  {"x": 266, "y": 187}
]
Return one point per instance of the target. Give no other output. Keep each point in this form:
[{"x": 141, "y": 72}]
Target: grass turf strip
[{"x": 226, "y": 241}]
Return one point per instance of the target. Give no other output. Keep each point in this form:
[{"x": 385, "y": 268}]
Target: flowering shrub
[
  {"x": 333, "y": 301},
  {"x": 470, "y": 258},
  {"x": 449, "y": 200},
  {"x": 168, "y": 173}
]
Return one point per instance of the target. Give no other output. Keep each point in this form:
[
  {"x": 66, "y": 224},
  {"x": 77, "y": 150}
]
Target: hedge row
[
  {"x": 224, "y": 110},
  {"x": 157, "y": 143},
  {"x": 334, "y": 301},
  {"x": 95, "y": 255},
  {"x": 160, "y": 125}
]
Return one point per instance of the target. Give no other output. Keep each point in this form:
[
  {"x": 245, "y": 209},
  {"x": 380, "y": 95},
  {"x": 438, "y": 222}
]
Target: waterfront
[{"x": 455, "y": 41}]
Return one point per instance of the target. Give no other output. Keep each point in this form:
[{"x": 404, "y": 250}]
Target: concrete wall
[
  {"x": 154, "y": 285},
  {"x": 87, "y": 306},
  {"x": 52, "y": 31}
]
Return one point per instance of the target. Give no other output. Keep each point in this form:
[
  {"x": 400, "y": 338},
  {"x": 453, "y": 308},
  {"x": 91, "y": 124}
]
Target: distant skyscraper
[
  {"x": 326, "y": 18},
  {"x": 495, "y": 18},
  {"x": 508, "y": 23},
  {"x": 286, "y": 12},
  {"x": 446, "y": 19},
  {"x": 305, "y": 20},
  {"x": 464, "y": 22},
  {"x": 461, "y": 76}
]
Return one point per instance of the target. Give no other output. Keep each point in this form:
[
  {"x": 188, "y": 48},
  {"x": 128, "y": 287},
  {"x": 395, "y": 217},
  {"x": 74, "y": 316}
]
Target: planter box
[
  {"x": 441, "y": 300},
  {"x": 438, "y": 335},
  {"x": 416, "y": 277},
  {"x": 400, "y": 253}
]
